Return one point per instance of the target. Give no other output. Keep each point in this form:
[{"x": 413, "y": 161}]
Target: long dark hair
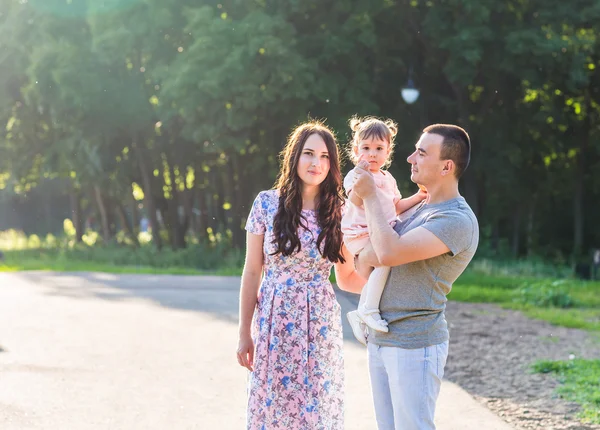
[{"x": 289, "y": 215}]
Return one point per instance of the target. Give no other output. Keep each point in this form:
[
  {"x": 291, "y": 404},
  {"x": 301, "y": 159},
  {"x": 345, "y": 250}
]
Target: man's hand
[
  {"x": 366, "y": 261},
  {"x": 364, "y": 184}
]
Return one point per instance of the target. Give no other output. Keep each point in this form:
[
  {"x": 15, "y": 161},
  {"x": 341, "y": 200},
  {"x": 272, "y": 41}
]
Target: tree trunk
[
  {"x": 203, "y": 222},
  {"x": 221, "y": 196},
  {"x": 187, "y": 197},
  {"x": 110, "y": 216},
  {"x": 125, "y": 224},
  {"x": 531, "y": 226},
  {"x": 237, "y": 231},
  {"x": 77, "y": 214},
  {"x": 495, "y": 239},
  {"x": 135, "y": 216},
  {"x": 516, "y": 231},
  {"x": 580, "y": 172},
  {"x": 104, "y": 224},
  {"x": 170, "y": 210},
  {"x": 578, "y": 208},
  {"x": 173, "y": 222},
  {"x": 149, "y": 201}
]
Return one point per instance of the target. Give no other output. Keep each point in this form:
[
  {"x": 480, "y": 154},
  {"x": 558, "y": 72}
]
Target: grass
[
  {"x": 580, "y": 383},
  {"x": 62, "y": 254},
  {"x": 565, "y": 302},
  {"x": 77, "y": 266}
]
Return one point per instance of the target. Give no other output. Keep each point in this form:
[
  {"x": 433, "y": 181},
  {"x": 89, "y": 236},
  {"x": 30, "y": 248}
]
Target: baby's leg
[
  {"x": 374, "y": 289},
  {"x": 364, "y": 270},
  {"x": 368, "y": 306}
]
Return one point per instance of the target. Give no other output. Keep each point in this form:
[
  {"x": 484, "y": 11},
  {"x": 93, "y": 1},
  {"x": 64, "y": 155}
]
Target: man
[{"x": 427, "y": 253}]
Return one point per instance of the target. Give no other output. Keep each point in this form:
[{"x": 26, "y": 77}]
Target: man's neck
[{"x": 440, "y": 193}]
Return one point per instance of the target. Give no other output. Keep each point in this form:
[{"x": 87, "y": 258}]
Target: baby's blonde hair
[{"x": 368, "y": 127}]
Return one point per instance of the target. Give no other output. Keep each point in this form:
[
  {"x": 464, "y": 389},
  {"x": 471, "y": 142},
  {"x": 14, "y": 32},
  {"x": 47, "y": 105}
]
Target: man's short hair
[{"x": 456, "y": 145}]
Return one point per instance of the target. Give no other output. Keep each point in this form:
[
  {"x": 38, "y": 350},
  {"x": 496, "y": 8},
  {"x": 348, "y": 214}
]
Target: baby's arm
[
  {"x": 348, "y": 184},
  {"x": 403, "y": 205}
]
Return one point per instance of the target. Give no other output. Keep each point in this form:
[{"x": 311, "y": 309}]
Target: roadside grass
[
  {"x": 63, "y": 254},
  {"x": 77, "y": 266},
  {"x": 118, "y": 260},
  {"x": 580, "y": 383},
  {"x": 565, "y": 302}
]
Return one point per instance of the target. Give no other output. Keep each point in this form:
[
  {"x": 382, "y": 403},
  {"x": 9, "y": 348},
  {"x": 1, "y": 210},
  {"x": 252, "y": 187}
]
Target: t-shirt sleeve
[
  {"x": 256, "y": 222},
  {"x": 454, "y": 228},
  {"x": 349, "y": 181}
]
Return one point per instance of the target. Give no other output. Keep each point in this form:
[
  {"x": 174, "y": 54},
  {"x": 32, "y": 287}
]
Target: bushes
[
  {"x": 545, "y": 294},
  {"x": 532, "y": 267}
]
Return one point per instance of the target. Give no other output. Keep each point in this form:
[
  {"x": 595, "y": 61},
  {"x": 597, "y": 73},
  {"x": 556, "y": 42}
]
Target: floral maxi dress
[{"x": 298, "y": 378}]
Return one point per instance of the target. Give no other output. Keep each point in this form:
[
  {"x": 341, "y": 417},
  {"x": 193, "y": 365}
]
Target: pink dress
[
  {"x": 298, "y": 378},
  {"x": 354, "y": 221}
]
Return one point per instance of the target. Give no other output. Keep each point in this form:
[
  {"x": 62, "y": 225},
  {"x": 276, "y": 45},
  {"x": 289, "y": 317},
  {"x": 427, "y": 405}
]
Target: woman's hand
[{"x": 245, "y": 352}]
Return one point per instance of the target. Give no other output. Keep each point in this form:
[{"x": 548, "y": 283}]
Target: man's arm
[
  {"x": 357, "y": 201},
  {"x": 391, "y": 249},
  {"x": 394, "y": 250}
]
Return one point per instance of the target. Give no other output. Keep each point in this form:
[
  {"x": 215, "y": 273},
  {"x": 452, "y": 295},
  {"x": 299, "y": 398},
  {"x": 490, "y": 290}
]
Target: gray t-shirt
[{"x": 414, "y": 298}]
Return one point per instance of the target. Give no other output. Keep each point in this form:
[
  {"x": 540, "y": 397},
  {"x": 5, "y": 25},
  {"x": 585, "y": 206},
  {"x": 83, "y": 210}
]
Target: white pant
[{"x": 406, "y": 384}]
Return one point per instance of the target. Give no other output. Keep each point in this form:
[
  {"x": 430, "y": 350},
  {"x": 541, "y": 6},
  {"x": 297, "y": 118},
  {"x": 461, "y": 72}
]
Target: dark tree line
[{"x": 175, "y": 110}]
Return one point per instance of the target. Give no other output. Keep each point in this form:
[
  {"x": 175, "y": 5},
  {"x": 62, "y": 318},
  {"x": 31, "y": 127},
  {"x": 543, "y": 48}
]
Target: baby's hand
[
  {"x": 363, "y": 164},
  {"x": 422, "y": 193}
]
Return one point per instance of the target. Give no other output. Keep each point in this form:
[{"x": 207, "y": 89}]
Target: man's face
[{"x": 426, "y": 166}]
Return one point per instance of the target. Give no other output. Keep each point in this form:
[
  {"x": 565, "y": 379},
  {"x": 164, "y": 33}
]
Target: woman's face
[{"x": 313, "y": 165}]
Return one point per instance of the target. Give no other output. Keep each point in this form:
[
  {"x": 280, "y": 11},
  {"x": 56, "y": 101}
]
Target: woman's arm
[
  {"x": 251, "y": 276},
  {"x": 346, "y": 276}
]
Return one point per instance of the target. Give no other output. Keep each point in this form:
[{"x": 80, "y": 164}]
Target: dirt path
[{"x": 491, "y": 350}]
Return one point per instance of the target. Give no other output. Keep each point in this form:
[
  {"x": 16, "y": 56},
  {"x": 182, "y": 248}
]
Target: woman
[{"x": 290, "y": 329}]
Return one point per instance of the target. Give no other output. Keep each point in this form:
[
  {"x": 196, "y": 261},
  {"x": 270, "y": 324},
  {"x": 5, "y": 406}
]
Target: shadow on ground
[{"x": 215, "y": 295}]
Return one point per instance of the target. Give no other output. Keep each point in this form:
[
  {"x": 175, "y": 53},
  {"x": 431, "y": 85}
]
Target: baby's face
[{"x": 373, "y": 150}]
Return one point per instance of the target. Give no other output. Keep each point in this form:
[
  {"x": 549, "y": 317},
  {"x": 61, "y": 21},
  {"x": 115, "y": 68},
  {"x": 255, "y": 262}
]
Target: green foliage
[
  {"x": 529, "y": 268},
  {"x": 63, "y": 253},
  {"x": 544, "y": 294},
  {"x": 105, "y": 94},
  {"x": 565, "y": 302},
  {"x": 192, "y": 259},
  {"x": 581, "y": 318},
  {"x": 580, "y": 383}
]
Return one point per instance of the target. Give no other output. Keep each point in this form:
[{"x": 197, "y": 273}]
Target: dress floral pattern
[{"x": 298, "y": 378}]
